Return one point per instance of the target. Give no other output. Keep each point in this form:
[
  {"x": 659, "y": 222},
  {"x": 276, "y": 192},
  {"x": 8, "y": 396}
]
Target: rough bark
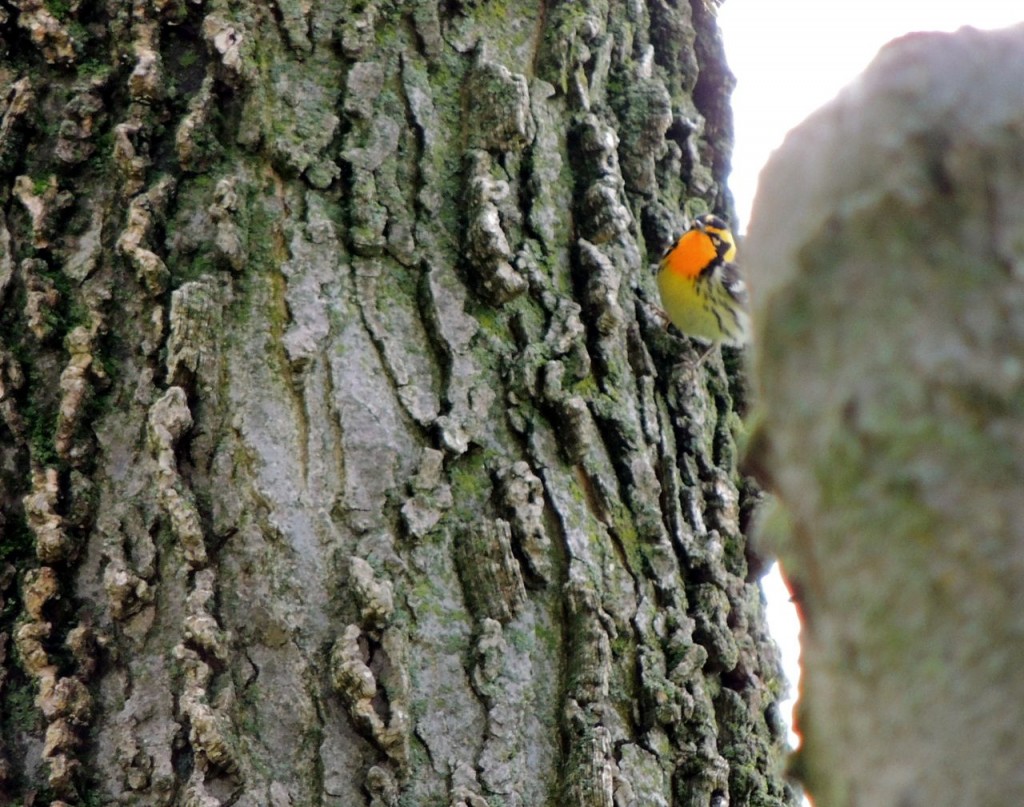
[
  {"x": 344, "y": 460},
  {"x": 886, "y": 254}
]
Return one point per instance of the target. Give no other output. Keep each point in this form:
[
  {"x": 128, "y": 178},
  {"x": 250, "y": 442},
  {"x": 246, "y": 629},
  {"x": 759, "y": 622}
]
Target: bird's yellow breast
[{"x": 688, "y": 304}]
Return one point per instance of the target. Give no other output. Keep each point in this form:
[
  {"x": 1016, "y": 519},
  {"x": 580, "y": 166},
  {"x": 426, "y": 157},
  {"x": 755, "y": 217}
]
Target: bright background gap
[
  {"x": 789, "y": 58},
  {"x": 792, "y": 56}
]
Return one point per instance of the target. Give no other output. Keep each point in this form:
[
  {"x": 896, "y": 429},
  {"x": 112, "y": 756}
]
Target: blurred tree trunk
[
  {"x": 889, "y": 291},
  {"x": 343, "y": 460}
]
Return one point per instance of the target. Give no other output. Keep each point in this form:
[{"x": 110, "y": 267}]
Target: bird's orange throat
[{"x": 693, "y": 252}]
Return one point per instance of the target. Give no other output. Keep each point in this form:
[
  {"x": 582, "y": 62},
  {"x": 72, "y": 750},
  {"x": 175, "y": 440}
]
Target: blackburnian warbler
[{"x": 701, "y": 288}]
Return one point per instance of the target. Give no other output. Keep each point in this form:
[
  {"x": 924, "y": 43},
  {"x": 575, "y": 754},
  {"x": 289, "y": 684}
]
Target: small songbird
[{"x": 701, "y": 288}]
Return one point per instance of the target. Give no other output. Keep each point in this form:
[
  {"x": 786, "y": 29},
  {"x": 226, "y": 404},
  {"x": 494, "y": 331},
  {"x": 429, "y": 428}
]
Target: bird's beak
[{"x": 697, "y": 225}]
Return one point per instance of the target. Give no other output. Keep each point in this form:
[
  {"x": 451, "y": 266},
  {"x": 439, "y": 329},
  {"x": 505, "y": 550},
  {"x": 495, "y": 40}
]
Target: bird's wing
[{"x": 733, "y": 283}]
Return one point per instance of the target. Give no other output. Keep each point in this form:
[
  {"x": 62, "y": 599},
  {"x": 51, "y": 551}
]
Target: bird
[{"x": 702, "y": 290}]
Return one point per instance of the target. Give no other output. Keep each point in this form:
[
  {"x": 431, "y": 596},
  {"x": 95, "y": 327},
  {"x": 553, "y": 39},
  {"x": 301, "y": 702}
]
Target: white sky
[{"x": 789, "y": 58}]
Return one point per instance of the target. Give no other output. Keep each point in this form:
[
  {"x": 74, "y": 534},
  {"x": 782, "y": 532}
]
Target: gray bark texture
[
  {"x": 886, "y": 255},
  {"x": 344, "y": 458}
]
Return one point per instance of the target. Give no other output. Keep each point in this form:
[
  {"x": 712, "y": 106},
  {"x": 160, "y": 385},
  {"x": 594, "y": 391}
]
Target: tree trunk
[
  {"x": 888, "y": 297},
  {"x": 345, "y": 459}
]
